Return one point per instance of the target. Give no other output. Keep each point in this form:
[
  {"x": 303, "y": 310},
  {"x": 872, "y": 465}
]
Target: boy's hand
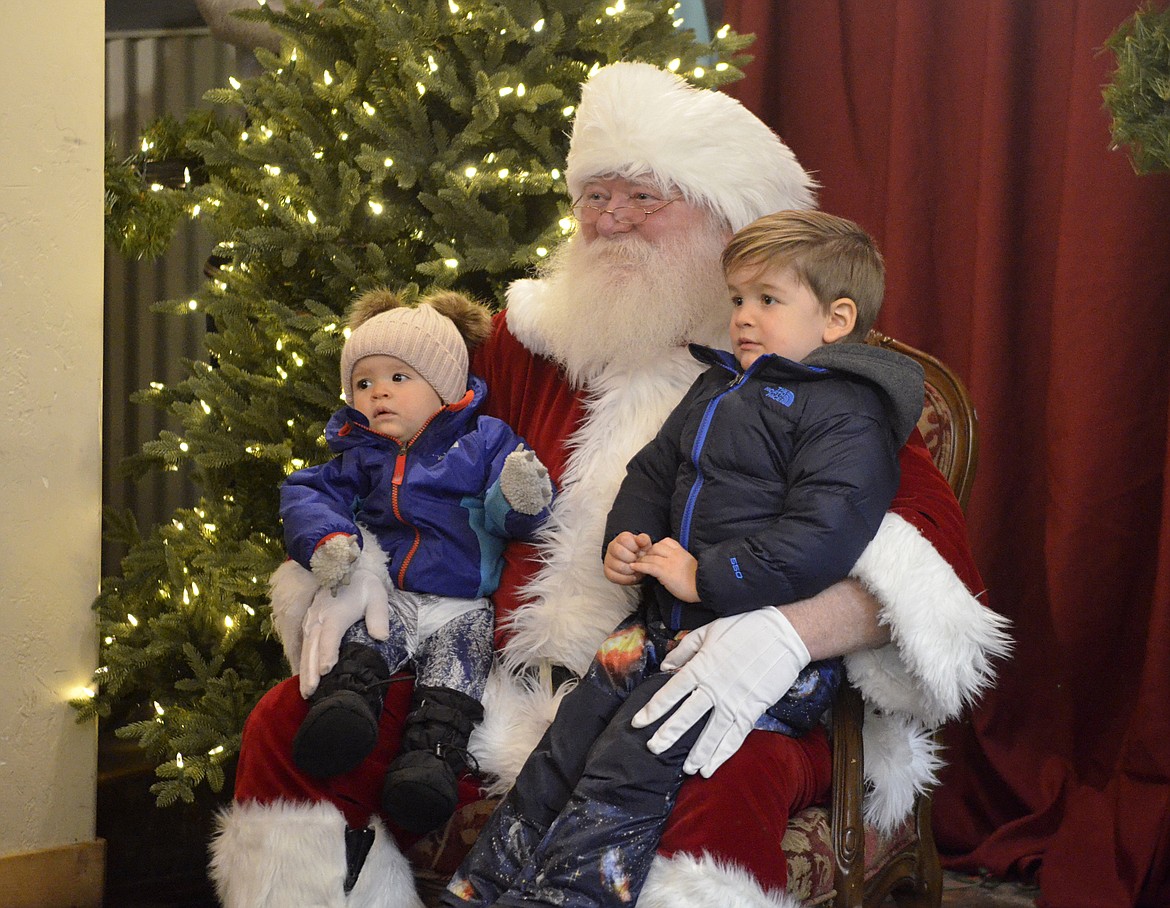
[
  {"x": 620, "y": 555},
  {"x": 672, "y": 566}
]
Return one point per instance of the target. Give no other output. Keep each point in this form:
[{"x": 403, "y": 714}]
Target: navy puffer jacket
[{"x": 776, "y": 478}]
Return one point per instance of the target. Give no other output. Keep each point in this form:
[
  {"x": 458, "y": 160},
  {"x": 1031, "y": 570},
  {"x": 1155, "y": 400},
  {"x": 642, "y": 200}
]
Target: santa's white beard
[{"x": 622, "y": 300}]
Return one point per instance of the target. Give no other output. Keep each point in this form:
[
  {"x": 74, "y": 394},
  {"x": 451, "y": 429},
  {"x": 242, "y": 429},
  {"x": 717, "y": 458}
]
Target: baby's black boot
[
  {"x": 342, "y": 725},
  {"x": 421, "y": 788}
]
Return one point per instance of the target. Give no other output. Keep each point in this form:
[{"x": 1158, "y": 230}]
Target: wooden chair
[{"x": 833, "y": 858}]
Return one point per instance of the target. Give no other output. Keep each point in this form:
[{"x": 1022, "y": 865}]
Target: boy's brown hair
[{"x": 831, "y": 256}]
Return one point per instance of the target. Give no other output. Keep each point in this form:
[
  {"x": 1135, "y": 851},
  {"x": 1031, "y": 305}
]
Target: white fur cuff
[{"x": 943, "y": 639}]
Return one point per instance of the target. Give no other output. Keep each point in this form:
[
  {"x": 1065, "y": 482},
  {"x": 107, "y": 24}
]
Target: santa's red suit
[
  {"x": 282, "y": 842},
  {"x": 285, "y": 830}
]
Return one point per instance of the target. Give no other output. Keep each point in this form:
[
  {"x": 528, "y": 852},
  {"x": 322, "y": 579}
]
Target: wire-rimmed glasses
[{"x": 623, "y": 214}]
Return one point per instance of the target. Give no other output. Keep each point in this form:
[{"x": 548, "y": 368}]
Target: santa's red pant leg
[{"x": 739, "y": 815}]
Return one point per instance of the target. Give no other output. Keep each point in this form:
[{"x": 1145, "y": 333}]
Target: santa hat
[
  {"x": 635, "y": 119},
  {"x": 432, "y": 337}
]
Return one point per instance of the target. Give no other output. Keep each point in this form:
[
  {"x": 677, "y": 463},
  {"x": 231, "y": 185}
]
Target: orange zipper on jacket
[
  {"x": 396, "y": 484},
  {"x": 400, "y": 471}
]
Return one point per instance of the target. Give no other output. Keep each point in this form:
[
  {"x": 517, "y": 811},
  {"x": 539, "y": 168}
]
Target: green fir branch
[{"x": 1138, "y": 95}]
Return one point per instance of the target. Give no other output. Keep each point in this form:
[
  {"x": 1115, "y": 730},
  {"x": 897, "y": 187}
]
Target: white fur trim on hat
[
  {"x": 421, "y": 337},
  {"x": 636, "y": 119}
]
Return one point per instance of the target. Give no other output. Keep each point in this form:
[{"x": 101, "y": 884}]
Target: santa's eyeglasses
[{"x": 623, "y": 214}]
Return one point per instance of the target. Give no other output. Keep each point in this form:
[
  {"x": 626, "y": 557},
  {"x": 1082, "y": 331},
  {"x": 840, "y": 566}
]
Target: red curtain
[{"x": 969, "y": 137}]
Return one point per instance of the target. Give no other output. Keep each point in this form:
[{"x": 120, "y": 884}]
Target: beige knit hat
[{"x": 422, "y": 338}]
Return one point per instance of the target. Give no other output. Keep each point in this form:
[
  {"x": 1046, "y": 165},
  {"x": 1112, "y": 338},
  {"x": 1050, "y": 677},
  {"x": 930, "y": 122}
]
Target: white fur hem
[
  {"x": 518, "y": 709},
  {"x": 684, "y": 881},
  {"x": 286, "y": 855}
]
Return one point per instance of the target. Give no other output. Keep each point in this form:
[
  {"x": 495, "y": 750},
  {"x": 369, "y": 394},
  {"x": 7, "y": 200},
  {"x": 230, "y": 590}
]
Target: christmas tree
[{"x": 403, "y": 144}]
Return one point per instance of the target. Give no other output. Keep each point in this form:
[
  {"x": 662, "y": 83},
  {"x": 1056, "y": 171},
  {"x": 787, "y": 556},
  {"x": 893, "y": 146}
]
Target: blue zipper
[{"x": 696, "y": 449}]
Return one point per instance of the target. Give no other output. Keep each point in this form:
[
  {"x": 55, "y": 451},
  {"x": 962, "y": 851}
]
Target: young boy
[
  {"x": 432, "y": 492},
  {"x": 762, "y": 488}
]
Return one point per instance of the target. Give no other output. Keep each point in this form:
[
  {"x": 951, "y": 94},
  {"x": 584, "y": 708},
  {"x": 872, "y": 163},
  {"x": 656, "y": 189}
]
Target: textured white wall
[{"x": 51, "y": 95}]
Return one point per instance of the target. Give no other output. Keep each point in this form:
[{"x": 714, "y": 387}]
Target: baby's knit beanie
[{"x": 422, "y": 336}]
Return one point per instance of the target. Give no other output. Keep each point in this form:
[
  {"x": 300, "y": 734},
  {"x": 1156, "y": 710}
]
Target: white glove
[
  {"x": 332, "y": 561},
  {"x": 331, "y": 615},
  {"x": 735, "y": 668},
  {"x": 524, "y": 482}
]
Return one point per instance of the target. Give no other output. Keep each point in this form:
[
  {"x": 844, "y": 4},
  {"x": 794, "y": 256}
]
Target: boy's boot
[
  {"x": 421, "y": 788},
  {"x": 342, "y": 725}
]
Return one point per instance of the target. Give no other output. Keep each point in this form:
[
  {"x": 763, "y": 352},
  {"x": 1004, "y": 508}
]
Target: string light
[
  {"x": 674, "y": 64},
  {"x": 451, "y": 263},
  {"x": 470, "y": 172},
  {"x": 234, "y": 82},
  {"x": 327, "y": 77},
  {"x": 377, "y": 208},
  {"x": 179, "y": 761},
  {"x": 133, "y": 621},
  {"x": 539, "y": 26}
]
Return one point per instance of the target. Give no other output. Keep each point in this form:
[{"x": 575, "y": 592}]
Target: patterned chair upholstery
[{"x": 833, "y": 858}]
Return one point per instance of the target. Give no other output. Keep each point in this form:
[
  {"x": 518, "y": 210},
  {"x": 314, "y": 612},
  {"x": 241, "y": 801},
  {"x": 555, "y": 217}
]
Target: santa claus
[{"x": 586, "y": 362}]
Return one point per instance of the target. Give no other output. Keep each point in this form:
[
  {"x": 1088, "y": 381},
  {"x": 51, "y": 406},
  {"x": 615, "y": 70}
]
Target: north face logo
[{"x": 780, "y": 395}]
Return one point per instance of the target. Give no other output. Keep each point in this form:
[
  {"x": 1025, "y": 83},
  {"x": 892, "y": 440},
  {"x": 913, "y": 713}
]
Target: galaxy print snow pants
[
  {"x": 448, "y": 640},
  {"x": 580, "y": 827}
]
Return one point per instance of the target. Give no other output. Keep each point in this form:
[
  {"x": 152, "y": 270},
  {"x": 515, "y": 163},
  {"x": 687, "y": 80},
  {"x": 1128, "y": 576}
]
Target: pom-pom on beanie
[
  {"x": 637, "y": 120},
  {"x": 432, "y": 338}
]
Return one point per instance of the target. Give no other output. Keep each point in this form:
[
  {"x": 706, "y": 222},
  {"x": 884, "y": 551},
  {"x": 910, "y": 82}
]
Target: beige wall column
[{"x": 51, "y": 81}]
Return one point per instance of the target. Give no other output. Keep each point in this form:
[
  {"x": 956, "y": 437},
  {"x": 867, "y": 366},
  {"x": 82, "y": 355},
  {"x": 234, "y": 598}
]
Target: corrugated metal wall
[{"x": 149, "y": 74}]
